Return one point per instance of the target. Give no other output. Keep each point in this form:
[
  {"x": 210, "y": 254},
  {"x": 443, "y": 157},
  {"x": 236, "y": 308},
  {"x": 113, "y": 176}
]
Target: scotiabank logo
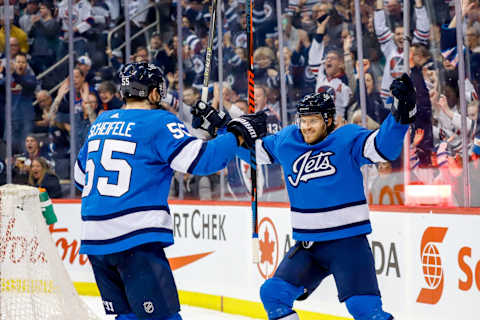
[{"x": 432, "y": 265}]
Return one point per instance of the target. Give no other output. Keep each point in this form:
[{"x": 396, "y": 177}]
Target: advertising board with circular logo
[
  {"x": 269, "y": 248},
  {"x": 431, "y": 263}
]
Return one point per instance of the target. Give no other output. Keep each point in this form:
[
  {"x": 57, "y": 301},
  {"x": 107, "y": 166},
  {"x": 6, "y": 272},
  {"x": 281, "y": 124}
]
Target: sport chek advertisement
[{"x": 428, "y": 264}]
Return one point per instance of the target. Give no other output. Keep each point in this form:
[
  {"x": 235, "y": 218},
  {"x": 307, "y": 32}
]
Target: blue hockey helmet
[
  {"x": 138, "y": 79},
  {"x": 319, "y": 103}
]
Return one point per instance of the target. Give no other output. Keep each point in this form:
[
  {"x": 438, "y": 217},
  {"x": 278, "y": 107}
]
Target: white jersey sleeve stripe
[
  {"x": 370, "y": 150},
  {"x": 263, "y": 157},
  {"x": 183, "y": 160},
  {"x": 79, "y": 174},
  {"x": 118, "y": 226}
]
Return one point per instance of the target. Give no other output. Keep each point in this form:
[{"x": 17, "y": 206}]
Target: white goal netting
[{"x": 34, "y": 282}]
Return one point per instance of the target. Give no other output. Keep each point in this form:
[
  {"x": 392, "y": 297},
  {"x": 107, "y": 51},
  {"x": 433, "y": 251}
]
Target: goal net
[{"x": 34, "y": 282}]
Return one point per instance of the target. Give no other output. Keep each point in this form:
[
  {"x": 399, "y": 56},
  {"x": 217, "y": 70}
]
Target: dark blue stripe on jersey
[
  {"x": 127, "y": 235},
  {"x": 179, "y": 149},
  {"x": 80, "y": 166},
  {"x": 364, "y": 144},
  {"x": 197, "y": 158},
  {"x": 272, "y": 159},
  {"x": 123, "y": 213},
  {"x": 341, "y": 206},
  {"x": 79, "y": 186},
  {"x": 345, "y": 226},
  {"x": 378, "y": 150},
  {"x": 381, "y": 35}
]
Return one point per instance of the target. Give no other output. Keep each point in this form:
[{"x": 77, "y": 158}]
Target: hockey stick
[
  {"x": 208, "y": 55},
  {"x": 208, "y": 64},
  {"x": 253, "y": 157}
]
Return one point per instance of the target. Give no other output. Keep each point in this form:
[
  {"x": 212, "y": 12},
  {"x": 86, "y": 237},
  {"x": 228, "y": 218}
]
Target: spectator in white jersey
[
  {"x": 329, "y": 69},
  {"x": 391, "y": 44},
  {"x": 82, "y": 20}
]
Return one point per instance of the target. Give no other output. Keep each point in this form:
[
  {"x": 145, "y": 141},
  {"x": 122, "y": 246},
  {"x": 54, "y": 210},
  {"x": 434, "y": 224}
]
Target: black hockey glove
[
  {"x": 404, "y": 100},
  {"x": 207, "y": 118},
  {"x": 250, "y": 127}
]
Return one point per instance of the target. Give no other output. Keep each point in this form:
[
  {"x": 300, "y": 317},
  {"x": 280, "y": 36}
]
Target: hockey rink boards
[{"x": 427, "y": 260}]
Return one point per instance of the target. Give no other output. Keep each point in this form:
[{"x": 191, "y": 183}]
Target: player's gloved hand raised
[
  {"x": 250, "y": 127},
  {"x": 207, "y": 118},
  {"x": 404, "y": 100}
]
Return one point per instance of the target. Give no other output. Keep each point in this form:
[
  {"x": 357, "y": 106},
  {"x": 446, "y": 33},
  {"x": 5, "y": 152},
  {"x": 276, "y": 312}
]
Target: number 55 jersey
[{"x": 124, "y": 170}]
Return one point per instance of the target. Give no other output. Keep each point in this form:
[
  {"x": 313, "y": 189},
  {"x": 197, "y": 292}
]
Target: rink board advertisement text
[{"x": 428, "y": 264}]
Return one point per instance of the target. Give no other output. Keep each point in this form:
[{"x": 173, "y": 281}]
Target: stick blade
[{"x": 255, "y": 251}]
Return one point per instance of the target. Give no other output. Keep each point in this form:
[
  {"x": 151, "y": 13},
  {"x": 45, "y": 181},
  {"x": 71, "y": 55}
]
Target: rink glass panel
[{"x": 432, "y": 170}]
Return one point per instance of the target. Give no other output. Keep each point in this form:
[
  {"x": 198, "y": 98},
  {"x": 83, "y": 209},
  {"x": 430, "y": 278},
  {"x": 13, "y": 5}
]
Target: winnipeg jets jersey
[
  {"x": 394, "y": 66},
  {"x": 324, "y": 181},
  {"x": 124, "y": 170},
  {"x": 339, "y": 83}
]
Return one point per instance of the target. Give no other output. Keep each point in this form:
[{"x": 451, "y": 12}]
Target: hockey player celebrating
[
  {"x": 330, "y": 216},
  {"x": 124, "y": 170}
]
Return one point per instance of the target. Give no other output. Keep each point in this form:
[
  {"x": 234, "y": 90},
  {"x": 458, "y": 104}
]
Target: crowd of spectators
[{"x": 320, "y": 54}]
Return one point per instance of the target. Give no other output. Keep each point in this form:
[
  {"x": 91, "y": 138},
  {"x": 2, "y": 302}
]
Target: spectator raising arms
[
  {"x": 392, "y": 43},
  {"x": 330, "y": 72}
]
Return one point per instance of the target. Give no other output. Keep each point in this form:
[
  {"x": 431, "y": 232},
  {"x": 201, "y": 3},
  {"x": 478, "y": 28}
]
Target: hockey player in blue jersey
[
  {"x": 124, "y": 171},
  {"x": 330, "y": 216}
]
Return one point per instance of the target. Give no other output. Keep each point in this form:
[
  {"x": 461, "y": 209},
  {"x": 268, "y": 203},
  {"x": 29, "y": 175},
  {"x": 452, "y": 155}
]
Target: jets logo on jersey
[
  {"x": 396, "y": 67},
  {"x": 198, "y": 65},
  {"x": 241, "y": 40},
  {"x": 115, "y": 116},
  {"x": 310, "y": 74},
  {"x": 308, "y": 166},
  {"x": 328, "y": 91},
  {"x": 230, "y": 80}
]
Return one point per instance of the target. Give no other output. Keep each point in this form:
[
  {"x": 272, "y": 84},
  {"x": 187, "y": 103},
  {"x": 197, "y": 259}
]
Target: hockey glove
[
  {"x": 404, "y": 100},
  {"x": 250, "y": 127},
  {"x": 207, "y": 118}
]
